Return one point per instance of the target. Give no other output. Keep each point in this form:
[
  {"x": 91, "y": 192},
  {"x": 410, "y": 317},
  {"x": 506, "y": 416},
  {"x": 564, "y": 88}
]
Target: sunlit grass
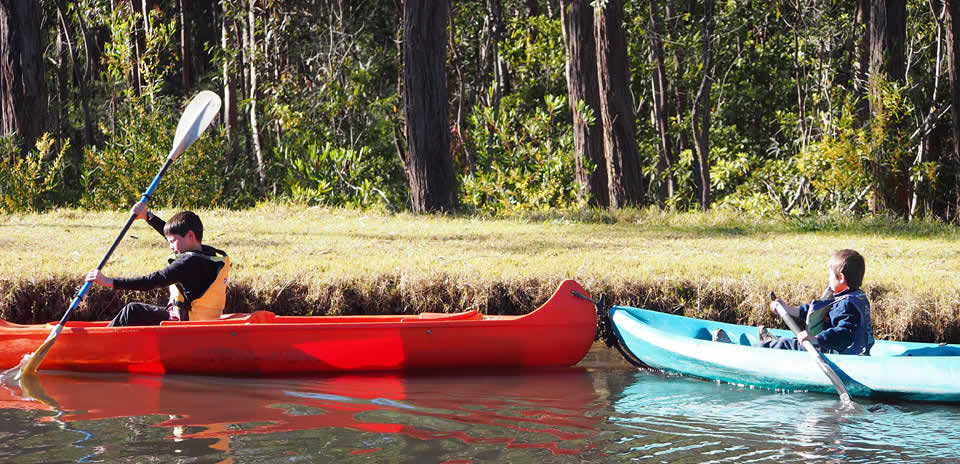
[
  {"x": 279, "y": 242},
  {"x": 273, "y": 246}
]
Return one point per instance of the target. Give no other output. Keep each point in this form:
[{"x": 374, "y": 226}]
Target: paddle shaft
[
  {"x": 200, "y": 112},
  {"x": 817, "y": 357},
  {"x": 34, "y": 362},
  {"x": 116, "y": 241}
]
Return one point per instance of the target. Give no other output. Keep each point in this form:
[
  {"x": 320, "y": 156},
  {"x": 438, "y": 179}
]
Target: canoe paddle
[
  {"x": 195, "y": 119},
  {"x": 817, "y": 357}
]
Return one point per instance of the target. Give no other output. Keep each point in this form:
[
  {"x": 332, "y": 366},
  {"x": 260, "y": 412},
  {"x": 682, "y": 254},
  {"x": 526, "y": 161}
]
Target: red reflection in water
[{"x": 553, "y": 404}]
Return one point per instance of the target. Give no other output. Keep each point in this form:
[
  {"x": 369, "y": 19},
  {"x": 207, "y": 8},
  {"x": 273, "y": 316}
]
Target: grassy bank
[{"x": 317, "y": 261}]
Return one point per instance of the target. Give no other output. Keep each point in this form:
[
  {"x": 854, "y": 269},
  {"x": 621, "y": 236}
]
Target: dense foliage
[{"x": 317, "y": 116}]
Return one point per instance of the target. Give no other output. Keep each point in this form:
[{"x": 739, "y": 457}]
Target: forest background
[
  {"x": 798, "y": 107},
  {"x": 786, "y": 109}
]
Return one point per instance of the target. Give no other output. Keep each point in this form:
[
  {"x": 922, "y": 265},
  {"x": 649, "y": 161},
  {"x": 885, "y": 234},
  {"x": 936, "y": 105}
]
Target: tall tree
[
  {"x": 186, "y": 45},
  {"x": 23, "y": 91},
  {"x": 428, "y": 163},
  {"x": 228, "y": 46},
  {"x": 661, "y": 107},
  {"x": 80, "y": 77},
  {"x": 861, "y": 22},
  {"x": 252, "y": 61},
  {"x": 584, "y": 95},
  {"x": 674, "y": 22},
  {"x": 701, "y": 109},
  {"x": 492, "y": 61},
  {"x": 887, "y": 65},
  {"x": 953, "y": 61},
  {"x": 624, "y": 178}
]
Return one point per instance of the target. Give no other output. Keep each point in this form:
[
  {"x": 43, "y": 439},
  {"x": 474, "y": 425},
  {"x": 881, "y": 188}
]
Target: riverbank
[{"x": 297, "y": 260}]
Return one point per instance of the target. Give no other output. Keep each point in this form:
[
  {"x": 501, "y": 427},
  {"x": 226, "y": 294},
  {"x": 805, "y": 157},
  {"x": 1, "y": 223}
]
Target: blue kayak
[{"x": 898, "y": 370}]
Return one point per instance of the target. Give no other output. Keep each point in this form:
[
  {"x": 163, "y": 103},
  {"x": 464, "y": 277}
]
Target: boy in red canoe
[
  {"x": 196, "y": 274},
  {"x": 837, "y": 324}
]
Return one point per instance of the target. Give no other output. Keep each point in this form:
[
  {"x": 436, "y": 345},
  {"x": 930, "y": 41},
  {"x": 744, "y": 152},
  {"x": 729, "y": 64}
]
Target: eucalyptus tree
[
  {"x": 701, "y": 115},
  {"x": 624, "y": 179},
  {"x": 952, "y": 13},
  {"x": 584, "y": 99},
  {"x": 23, "y": 90},
  {"x": 428, "y": 163}
]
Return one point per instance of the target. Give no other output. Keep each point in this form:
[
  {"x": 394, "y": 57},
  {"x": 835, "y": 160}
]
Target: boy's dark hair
[
  {"x": 183, "y": 222},
  {"x": 850, "y": 264}
]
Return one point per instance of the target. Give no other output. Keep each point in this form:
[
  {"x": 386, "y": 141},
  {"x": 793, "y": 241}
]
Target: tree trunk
[
  {"x": 533, "y": 7},
  {"x": 63, "y": 66},
  {"x": 953, "y": 61},
  {"x": 428, "y": 164},
  {"x": 79, "y": 77},
  {"x": 862, "y": 23},
  {"x": 661, "y": 108},
  {"x": 624, "y": 179},
  {"x": 583, "y": 90},
  {"x": 136, "y": 8},
  {"x": 462, "y": 101},
  {"x": 252, "y": 57},
  {"x": 679, "y": 91},
  {"x": 701, "y": 109},
  {"x": 887, "y": 63},
  {"x": 23, "y": 92},
  {"x": 229, "y": 72},
  {"x": 491, "y": 51},
  {"x": 186, "y": 45}
]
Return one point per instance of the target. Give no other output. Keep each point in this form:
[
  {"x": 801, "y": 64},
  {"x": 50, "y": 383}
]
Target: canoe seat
[{"x": 473, "y": 314}]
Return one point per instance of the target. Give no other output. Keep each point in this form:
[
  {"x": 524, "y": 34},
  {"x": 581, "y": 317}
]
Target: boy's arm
[
  {"x": 791, "y": 310},
  {"x": 156, "y": 222},
  {"x": 845, "y": 319},
  {"x": 140, "y": 211},
  {"x": 162, "y": 278}
]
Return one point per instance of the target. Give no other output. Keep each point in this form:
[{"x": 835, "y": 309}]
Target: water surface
[{"x": 600, "y": 411}]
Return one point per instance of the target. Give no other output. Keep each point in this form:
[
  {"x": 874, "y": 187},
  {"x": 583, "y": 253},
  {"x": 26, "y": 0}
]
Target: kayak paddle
[
  {"x": 817, "y": 357},
  {"x": 195, "y": 119}
]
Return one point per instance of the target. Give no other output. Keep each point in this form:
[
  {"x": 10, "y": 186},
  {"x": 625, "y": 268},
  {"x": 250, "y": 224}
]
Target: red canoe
[{"x": 559, "y": 333}]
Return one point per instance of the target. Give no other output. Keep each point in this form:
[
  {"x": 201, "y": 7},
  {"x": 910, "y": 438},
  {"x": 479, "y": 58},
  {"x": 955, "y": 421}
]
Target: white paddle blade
[{"x": 198, "y": 115}]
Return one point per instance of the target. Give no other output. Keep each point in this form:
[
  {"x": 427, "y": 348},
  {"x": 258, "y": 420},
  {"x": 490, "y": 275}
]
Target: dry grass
[{"x": 296, "y": 260}]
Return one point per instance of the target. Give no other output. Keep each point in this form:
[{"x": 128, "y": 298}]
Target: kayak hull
[
  {"x": 559, "y": 333},
  {"x": 897, "y": 370}
]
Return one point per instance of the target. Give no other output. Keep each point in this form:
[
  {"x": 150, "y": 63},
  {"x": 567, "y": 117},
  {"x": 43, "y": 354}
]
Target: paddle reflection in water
[
  {"x": 432, "y": 417},
  {"x": 672, "y": 418}
]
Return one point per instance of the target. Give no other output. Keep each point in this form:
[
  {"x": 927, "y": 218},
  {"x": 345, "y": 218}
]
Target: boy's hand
[
  {"x": 98, "y": 278},
  {"x": 804, "y": 336},
  {"x": 139, "y": 210},
  {"x": 775, "y": 303}
]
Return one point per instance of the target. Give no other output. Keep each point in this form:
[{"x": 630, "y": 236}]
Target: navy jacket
[{"x": 848, "y": 329}]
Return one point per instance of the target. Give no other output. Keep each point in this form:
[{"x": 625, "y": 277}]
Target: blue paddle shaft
[{"x": 103, "y": 262}]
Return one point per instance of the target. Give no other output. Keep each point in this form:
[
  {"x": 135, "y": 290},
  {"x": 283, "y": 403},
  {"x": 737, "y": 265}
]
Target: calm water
[{"x": 600, "y": 411}]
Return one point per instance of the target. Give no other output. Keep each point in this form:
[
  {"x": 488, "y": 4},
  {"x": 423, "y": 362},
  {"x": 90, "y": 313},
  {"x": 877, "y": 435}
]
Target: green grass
[{"x": 715, "y": 265}]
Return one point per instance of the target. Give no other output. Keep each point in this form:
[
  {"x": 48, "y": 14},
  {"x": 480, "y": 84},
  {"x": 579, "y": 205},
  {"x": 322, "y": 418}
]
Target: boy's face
[
  {"x": 180, "y": 243},
  {"x": 836, "y": 280}
]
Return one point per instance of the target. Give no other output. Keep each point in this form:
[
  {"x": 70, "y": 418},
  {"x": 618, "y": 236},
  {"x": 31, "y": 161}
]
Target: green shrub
[
  {"x": 117, "y": 173},
  {"x": 523, "y": 161},
  {"x": 30, "y": 182}
]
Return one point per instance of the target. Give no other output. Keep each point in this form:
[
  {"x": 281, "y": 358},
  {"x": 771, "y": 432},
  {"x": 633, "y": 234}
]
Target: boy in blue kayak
[
  {"x": 196, "y": 274},
  {"x": 838, "y": 323}
]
